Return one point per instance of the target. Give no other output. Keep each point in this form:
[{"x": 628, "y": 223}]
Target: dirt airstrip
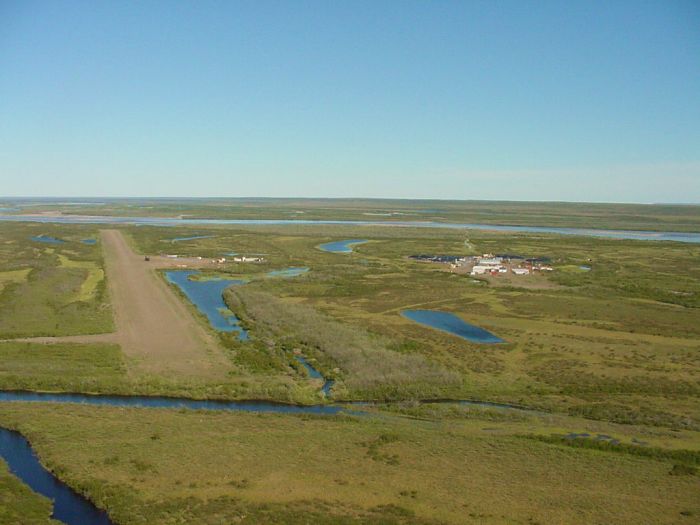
[{"x": 154, "y": 327}]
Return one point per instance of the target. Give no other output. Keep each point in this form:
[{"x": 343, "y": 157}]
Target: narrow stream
[
  {"x": 170, "y": 402},
  {"x": 315, "y": 374}
]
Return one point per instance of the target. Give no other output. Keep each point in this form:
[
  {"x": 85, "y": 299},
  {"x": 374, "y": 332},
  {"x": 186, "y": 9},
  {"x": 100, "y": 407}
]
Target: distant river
[{"x": 165, "y": 221}]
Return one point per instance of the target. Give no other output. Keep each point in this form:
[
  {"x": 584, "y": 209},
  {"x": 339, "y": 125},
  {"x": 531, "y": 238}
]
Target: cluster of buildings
[
  {"x": 489, "y": 264},
  {"x": 452, "y": 259},
  {"x": 244, "y": 259},
  {"x": 219, "y": 260}
]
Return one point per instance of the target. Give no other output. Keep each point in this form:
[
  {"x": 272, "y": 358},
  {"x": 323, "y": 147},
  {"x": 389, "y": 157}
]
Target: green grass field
[
  {"x": 61, "y": 290},
  {"x": 202, "y": 467}
]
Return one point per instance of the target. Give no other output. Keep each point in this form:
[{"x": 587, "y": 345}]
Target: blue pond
[
  {"x": 207, "y": 296},
  {"x": 89, "y": 241},
  {"x": 288, "y": 272},
  {"x": 341, "y": 246},
  {"x": 192, "y": 238},
  {"x": 47, "y": 239},
  {"x": 448, "y": 322},
  {"x": 68, "y": 506}
]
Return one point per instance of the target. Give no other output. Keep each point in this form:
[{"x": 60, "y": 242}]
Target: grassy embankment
[{"x": 19, "y": 505}]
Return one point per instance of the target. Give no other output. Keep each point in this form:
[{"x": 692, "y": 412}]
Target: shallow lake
[
  {"x": 68, "y": 506},
  {"x": 341, "y": 246},
  {"x": 207, "y": 296},
  {"x": 448, "y": 322},
  {"x": 288, "y": 272},
  {"x": 47, "y": 239}
]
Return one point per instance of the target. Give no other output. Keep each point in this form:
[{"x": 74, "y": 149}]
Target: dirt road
[{"x": 154, "y": 327}]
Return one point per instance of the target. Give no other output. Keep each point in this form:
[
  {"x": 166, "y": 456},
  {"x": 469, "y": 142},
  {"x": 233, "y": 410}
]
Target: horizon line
[{"x": 425, "y": 199}]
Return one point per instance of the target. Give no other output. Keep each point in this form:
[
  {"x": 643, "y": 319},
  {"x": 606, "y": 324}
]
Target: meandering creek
[
  {"x": 68, "y": 506},
  {"x": 73, "y": 509},
  {"x": 315, "y": 374}
]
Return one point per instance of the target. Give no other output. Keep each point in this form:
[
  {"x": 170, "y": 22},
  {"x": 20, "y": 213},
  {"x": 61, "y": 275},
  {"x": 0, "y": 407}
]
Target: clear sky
[{"x": 584, "y": 101}]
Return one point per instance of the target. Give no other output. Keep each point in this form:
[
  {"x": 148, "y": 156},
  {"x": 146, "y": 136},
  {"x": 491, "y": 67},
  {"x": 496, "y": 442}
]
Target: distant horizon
[{"x": 88, "y": 198}]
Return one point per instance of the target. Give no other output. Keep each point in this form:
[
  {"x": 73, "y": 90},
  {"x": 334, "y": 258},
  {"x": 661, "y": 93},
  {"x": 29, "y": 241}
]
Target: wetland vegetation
[{"x": 610, "y": 351}]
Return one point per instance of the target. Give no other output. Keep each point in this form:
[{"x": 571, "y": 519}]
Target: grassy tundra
[
  {"x": 612, "y": 351},
  {"x": 171, "y": 467},
  {"x": 49, "y": 289}
]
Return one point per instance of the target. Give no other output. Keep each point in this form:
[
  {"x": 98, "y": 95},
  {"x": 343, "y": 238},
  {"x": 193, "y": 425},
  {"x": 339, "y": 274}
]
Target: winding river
[{"x": 642, "y": 235}]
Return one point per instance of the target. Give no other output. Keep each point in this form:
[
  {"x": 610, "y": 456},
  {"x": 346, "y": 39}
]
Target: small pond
[
  {"x": 89, "y": 241},
  {"x": 47, "y": 239},
  {"x": 448, "y": 322},
  {"x": 341, "y": 246},
  {"x": 207, "y": 296},
  {"x": 288, "y": 272},
  {"x": 192, "y": 238},
  {"x": 68, "y": 506}
]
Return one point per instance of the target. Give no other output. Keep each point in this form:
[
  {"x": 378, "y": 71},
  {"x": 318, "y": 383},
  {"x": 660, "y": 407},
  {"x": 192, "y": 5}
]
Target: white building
[
  {"x": 492, "y": 262},
  {"x": 521, "y": 271}
]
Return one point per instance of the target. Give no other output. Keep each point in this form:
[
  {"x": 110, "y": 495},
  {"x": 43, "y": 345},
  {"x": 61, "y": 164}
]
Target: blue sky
[{"x": 581, "y": 101}]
